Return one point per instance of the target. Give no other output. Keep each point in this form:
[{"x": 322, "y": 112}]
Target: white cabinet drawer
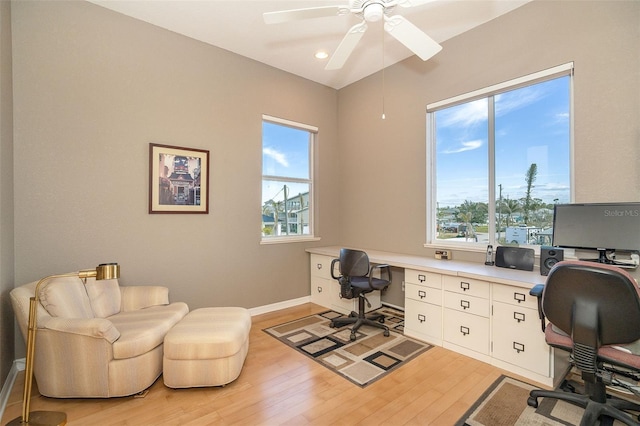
[
  {"x": 321, "y": 291},
  {"x": 423, "y": 320},
  {"x": 525, "y": 320},
  {"x": 321, "y": 266},
  {"x": 467, "y": 303},
  {"x": 473, "y": 287},
  {"x": 467, "y": 330},
  {"x": 428, "y": 279},
  {"x": 423, "y": 294},
  {"x": 518, "y": 338},
  {"x": 515, "y": 296}
]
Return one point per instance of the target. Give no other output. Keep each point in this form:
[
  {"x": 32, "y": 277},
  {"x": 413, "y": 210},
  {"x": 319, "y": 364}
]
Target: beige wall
[
  {"x": 601, "y": 38},
  {"x": 6, "y": 193},
  {"x": 93, "y": 88}
]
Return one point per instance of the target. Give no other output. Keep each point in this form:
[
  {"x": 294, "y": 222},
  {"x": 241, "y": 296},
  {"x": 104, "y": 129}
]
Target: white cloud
[
  {"x": 466, "y": 114},
  {"x": 511, "y": 101},
  {"x": 277, "y": 156},
  {"x": 465, "y": 146}
]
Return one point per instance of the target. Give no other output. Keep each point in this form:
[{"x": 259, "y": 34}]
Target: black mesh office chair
[
  {"x": 356, "y": 279},
  {"x": 590, "y": 307}
]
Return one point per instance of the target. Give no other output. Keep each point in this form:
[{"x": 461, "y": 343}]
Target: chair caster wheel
[
  {"x": 353, "y": 314},
  {"x": 353, "y": 337},
  {"x": 532, "y": 402},
  {"x": 386, "y": 333},
  {"x": 381, "y": 320},
  {"x": 332, "y": 325}
]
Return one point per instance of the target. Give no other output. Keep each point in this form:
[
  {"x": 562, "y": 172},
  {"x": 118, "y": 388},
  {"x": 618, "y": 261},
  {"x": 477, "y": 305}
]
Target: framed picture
[{"x": 178, "y": 179}]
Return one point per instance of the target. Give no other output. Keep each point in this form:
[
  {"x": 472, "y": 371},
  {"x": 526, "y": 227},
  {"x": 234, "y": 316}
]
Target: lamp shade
[{"x": 107, "y": 271}]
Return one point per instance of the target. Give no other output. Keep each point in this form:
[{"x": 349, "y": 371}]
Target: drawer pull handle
[
  {"x": 464, "y": 286},
  {"x": 465, "y": 304},
  {"x": 518, "y": 316},
  {"x": 319, "y": 266},
  {"x": 422, "y": 318},
  {"x": 319, "y": 289},
  {"x": 520, "y": 297},
  {"x": 519, "y": 347},
  {"x": 464, "y": 330},
  {"x": 422, "y": 294},
  {"x": 422, "y": 278}
]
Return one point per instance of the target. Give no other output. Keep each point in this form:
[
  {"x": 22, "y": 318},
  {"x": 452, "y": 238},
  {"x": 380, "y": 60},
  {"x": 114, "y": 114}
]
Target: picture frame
[{"x": 178, "y": 179}]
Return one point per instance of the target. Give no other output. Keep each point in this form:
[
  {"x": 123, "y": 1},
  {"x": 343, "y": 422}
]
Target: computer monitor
[{"x": 605, "y": 227}]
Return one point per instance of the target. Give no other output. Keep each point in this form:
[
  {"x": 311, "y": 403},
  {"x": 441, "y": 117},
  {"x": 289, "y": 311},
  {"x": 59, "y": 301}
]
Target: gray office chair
[
  {"x": 356, "y": 279},
  {"x": 590, "y": 307}
]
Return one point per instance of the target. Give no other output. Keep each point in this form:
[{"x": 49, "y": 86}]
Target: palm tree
[
  {"x": 530, "y": 178},
  {"x": 469, "y": 231},
  {"x": 509, "y": 207}
]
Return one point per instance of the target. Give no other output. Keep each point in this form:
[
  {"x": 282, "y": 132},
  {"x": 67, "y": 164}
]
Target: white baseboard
[
  {"x": 280, "y": 305},
  {"x": 18, "y": 366}
]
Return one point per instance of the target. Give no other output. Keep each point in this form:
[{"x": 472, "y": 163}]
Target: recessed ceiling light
[{"x": 321, "y": 54}]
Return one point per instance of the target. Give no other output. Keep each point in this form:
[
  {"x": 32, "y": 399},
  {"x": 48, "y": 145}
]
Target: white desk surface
[{"x": 479, "y": 271}]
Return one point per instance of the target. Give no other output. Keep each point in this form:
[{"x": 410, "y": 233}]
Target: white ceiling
[{"x": 237, "y": 26}]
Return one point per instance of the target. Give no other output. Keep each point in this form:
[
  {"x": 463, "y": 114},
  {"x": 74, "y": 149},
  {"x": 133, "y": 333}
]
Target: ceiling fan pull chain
[{"x": 383, "y": 31}]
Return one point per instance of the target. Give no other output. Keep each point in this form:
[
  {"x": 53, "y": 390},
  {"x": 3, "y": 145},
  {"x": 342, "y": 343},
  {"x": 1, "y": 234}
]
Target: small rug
[
  {"x": 505, "y": 404},
  {"x": 362, "y": 362}
]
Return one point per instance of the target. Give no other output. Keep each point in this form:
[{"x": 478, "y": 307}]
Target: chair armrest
[
  {"x": 384, "y": 268},
  {"x": 143, "y": 296},
  {"x": 333, "y": 262},
  {"x": 91, "y": 327},
  {"x": 537, "y": 291}
]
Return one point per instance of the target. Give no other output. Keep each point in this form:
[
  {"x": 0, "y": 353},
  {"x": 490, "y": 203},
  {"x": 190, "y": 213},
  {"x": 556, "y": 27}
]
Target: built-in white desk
[{"x": 480, "y": 311}]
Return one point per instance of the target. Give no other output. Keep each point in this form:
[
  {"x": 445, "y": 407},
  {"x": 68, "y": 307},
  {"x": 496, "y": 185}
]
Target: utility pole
[
  {"x": 286, "y": 213},
  {"x": 499, "y": 210}
]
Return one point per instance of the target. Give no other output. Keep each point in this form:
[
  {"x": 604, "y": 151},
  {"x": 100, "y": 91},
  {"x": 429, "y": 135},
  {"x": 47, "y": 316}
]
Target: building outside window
[
  {"x": 498, "y": 160},
  {"x": 287, "y": 180}
]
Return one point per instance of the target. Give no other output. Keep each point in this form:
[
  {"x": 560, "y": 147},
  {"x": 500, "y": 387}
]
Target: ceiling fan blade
[
  {"x": 298, "y": 14},
  {"x": 346, "y": 46},
  {"x": 411, "y": 36}
]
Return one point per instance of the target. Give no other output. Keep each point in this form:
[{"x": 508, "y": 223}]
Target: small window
[
  {"x": 287, "y": 180},
  {"x": 498, "y": 161}
]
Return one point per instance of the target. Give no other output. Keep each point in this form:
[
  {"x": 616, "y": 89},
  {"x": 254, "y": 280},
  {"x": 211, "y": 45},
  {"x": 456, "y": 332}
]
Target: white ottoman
[{"x": 206, "y": 348}]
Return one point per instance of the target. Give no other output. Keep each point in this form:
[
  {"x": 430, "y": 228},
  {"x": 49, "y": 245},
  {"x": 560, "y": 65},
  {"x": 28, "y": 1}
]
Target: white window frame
[
  {"x": 313, "y": 130},
  {"x": 487, "y": 92}
]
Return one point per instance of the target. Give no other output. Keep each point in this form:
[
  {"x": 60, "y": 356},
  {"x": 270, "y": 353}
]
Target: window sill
[{"x": 281, "y": 240}]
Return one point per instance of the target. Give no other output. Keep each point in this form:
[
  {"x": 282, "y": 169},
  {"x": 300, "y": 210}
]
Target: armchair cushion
[
  {"x": 104, "y": 296},
  {"x": 137, "y": 336},
  {"x": 65, "y": 297},
  {"x": 138, "y": 297}
]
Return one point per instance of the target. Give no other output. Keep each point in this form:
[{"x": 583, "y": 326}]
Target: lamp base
[{"x": 42, "y": 418}]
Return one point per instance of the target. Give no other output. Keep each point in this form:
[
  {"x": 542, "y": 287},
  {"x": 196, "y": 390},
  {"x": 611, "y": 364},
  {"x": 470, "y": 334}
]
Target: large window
[
  {"x": 498, "y": 160},
  {"x": 287, "y": 180}
]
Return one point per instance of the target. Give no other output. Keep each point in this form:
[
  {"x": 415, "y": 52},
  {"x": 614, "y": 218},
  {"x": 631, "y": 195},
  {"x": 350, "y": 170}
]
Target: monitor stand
[{"x": 602, "y": 258}]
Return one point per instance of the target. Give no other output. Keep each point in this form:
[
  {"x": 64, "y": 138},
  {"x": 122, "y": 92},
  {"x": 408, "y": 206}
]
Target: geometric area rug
[
  {"x": 362, "y": 362},
  {"x": 504, "y": 403}
]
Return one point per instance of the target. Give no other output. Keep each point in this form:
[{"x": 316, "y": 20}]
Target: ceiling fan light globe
[{"x": 373, "y": 12}]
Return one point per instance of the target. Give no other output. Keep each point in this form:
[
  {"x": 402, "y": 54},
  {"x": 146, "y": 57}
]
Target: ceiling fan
[{"x": 369, "y": 11}]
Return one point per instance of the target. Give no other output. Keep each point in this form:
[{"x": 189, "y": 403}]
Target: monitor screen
[{"x": 597, "y": 226}]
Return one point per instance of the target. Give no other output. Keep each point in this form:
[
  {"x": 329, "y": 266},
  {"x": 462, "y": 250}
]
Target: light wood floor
[{"x": 279, "y": 386}]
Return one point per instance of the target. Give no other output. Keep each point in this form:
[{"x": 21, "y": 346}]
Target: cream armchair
[{"x": 97, "y": 339}]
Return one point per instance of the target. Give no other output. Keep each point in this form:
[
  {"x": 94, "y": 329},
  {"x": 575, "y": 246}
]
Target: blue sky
[
  {"x": 285, "y": 152},
  {"x": 532, "y": 126}
]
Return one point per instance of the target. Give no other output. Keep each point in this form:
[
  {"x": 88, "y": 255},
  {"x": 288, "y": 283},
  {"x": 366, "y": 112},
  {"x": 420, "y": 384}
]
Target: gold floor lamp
[{"x": 104, "y": 271}]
